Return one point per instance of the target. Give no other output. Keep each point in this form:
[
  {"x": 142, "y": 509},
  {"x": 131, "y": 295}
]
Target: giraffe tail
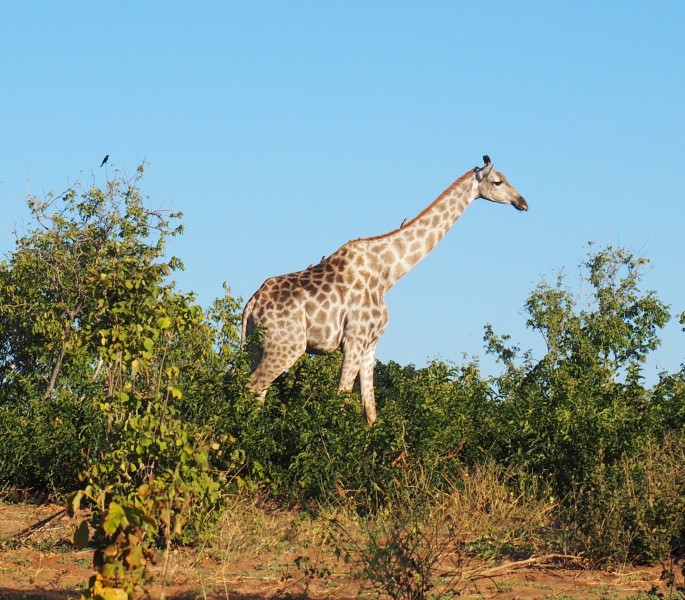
[{"x": 247, "y": 323}]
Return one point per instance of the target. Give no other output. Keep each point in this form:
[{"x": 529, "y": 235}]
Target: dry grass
[
  {"x": 421, "y": 535},
  {"x": 425, "y": 540},
  {"x": 497, "y": 521}
]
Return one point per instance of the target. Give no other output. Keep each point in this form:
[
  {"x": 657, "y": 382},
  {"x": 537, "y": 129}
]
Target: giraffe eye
[{"x": 498, "y": 183}]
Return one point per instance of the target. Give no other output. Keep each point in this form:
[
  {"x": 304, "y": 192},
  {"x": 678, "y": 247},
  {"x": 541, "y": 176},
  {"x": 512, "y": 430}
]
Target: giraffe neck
[{"x": 400, "y": 250}]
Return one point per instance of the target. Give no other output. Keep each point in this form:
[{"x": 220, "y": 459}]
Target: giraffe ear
[{"x": 483, "y": 172}]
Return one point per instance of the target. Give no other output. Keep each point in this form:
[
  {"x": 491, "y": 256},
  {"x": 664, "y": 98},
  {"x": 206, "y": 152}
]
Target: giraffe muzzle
[{"x": 520, "y": 203}]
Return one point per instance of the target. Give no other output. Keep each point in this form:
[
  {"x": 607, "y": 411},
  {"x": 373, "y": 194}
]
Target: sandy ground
[{"x": 37, "y": 561}]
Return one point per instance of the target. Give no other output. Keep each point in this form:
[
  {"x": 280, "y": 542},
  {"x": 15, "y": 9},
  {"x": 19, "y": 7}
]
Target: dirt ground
[{"x": 37, "y": 561}]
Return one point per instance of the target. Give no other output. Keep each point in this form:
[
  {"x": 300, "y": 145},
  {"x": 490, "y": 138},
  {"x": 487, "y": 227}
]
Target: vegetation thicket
[{"x": 122, "y": 395}]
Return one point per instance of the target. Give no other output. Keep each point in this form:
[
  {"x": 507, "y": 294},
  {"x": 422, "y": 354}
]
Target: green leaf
[
  {"x": 80, "y": 537},
  {"x": 108, "y": 593},
  {"x": 74, "y": 502},
  {"x": 115, "y": 517},
  {"x": 134, "y": 557}
]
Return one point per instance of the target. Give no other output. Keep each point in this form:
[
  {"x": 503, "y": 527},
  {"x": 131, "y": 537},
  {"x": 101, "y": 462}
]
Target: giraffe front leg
[
  {"x": 357, "y": 360},
  {"x": 352, "y": 358},
  {"x": 366, "y": 384}
]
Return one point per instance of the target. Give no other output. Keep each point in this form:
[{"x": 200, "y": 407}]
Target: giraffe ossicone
[{"x": 339, "y": 302}]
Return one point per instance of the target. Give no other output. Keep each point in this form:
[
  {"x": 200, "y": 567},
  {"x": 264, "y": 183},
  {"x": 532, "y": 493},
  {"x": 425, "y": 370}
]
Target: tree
[
  {"x": 88, "y": 255},
  {"x": 87, "y": 250},
  {"x": 582, "y": 403},
  {"x": 96, "y": 348}
]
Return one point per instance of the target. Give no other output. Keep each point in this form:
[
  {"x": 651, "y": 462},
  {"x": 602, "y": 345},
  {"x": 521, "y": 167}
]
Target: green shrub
[
  {"x": 45, "y": 445},
  {"x": 634, "y": 509},
  {"x": 581, "y": 405}
]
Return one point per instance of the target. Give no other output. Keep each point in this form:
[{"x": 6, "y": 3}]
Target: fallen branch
[
  {"x": 535, "y": 561},
  {"x": 25, "y": 533}
]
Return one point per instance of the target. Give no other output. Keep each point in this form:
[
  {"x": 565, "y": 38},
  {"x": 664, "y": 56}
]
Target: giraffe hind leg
[{"x": 271, "y": 364}]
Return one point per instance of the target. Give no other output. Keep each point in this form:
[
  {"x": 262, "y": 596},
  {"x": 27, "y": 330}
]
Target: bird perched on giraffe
[{"x": 339, "y": 302}]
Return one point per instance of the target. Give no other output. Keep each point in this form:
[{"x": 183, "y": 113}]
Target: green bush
[
  {"x": 307, "y": 442},
  {"x": 667, "y": 405},
  {"x": 634, "y": 509},
  {"x": 581, "y": 405},
  {"x": 45, "y": 445}
]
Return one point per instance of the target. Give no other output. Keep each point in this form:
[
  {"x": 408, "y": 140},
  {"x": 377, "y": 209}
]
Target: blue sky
[{"x": 284, "y": 129}]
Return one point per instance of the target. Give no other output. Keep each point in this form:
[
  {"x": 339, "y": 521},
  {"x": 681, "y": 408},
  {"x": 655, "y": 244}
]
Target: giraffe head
[{"x": 494, "y": 186}]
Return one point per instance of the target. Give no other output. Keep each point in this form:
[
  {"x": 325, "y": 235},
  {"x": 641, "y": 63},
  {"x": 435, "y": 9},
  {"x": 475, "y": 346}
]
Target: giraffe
[{"x": 339, "y": 302}]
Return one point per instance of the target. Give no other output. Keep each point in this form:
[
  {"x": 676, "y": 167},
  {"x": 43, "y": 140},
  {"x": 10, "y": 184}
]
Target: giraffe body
[{"x": 339, "y": 302}]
